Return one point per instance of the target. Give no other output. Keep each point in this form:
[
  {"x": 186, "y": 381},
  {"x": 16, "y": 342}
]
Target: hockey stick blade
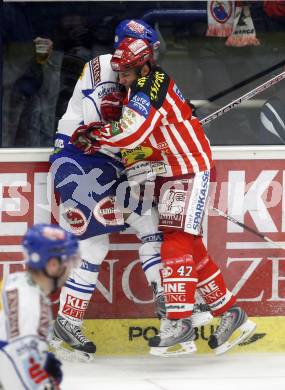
[
  {"x": 243, "y": 98},
  {"x": 248, "y": 228}
]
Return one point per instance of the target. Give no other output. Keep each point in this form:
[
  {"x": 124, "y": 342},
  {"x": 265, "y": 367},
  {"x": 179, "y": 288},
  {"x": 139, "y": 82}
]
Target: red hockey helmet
[{"x": 131, "y": 53}]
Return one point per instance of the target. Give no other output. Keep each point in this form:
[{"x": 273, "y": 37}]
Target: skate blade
[
  {"x": 245, "y": 330},
  {"x": 179, "y": 349},
  {"x": 69, "y": 354},
  {"x": 201, "y": 318}
]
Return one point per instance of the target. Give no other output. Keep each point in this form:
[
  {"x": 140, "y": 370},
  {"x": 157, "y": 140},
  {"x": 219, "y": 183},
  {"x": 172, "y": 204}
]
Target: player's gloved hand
[
  {"x": 84, "y": 138},
  {"x": 111, "y": 106},
  {"x": 53, "y": 367}
]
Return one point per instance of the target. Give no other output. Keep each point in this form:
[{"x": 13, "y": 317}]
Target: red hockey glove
[
  {"x": 111, "y": 106},
  {"x": 84, "y": 138}
]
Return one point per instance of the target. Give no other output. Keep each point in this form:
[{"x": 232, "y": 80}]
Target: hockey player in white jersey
[
  {"x": 25, "y": 318},
  {"x": 97, "y": 98}
]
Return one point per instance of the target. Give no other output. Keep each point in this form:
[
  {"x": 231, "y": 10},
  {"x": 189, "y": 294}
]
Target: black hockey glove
[{"x": 53, "y": 367}]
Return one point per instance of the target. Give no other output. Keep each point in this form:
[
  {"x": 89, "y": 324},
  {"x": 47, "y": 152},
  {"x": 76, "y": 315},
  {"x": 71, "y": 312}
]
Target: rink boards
[
  {"x": 130, "y": 336},
  {"x": 249, "y": 186}
]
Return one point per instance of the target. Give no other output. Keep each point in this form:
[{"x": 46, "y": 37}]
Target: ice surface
[{"x": 190, "y": 372}]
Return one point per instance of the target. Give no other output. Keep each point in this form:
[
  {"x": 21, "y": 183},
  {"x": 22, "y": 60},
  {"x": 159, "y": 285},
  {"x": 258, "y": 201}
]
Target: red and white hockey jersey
[{"x": 157, "y": 125}]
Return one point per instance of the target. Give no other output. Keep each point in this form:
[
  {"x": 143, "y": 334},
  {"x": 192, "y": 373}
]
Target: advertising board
[{"x": 249, "y": 186}]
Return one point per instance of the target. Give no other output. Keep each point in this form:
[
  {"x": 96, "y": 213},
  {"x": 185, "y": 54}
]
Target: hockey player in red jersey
[
  {"x": 157, "y": 119},
  {"x": 97, "y": 97}
]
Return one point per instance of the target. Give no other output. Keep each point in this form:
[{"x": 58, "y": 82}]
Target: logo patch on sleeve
[
  {"x": 179, "y": 93},
  {"x": 141, "y": 104}
]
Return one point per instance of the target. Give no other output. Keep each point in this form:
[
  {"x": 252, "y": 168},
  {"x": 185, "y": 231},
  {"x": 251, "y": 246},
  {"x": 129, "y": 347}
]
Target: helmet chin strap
[
  {"x": 54, "y": 279},
  {"x": 138, "y": 70}
]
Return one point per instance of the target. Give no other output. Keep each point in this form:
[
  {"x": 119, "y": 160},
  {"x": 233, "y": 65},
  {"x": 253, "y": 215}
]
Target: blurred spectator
[
  {"x": 30, "y": 81},
  {"x": 82, "y": 39},
  {"x": 35, "y": 94},
  {"x": 18, "y": 53},
  {"x": 76, "y": 38}
]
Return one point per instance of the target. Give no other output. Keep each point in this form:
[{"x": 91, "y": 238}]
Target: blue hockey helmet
[
  {"x": 44, "y": 241},
  {"x": 135, "y": 28}
]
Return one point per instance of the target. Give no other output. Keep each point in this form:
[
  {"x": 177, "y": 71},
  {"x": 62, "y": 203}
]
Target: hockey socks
[
  {"x": 179, "y": 282},
  {"x": 212, "y": 287}
]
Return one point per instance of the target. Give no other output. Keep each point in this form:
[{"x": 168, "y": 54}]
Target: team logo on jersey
[
  {"x": 105, "y": 88},
  {"x": 221, "y": 10},
  {"x": 108, "y": 213},
  {"x": 137, "y": 154},
  {"x": 141, "y": 104},
  {"x": 76, "y": 220}
]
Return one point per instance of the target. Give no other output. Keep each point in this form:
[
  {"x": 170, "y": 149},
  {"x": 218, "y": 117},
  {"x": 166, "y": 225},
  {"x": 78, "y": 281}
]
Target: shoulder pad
[{"x": 155, "y": 86}]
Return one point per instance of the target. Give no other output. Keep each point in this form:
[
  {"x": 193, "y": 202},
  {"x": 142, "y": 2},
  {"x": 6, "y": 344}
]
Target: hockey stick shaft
[
  {"x": 245, "y": 82},
  {"x": 248, "y": 228},
  {"x": 243, "y": 98}
]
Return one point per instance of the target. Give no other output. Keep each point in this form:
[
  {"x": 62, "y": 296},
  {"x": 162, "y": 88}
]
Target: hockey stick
[
  {"x": 231, "y": 219},
  {"x": 243, "y": 98},
  {"x": 246, "y": 81}
]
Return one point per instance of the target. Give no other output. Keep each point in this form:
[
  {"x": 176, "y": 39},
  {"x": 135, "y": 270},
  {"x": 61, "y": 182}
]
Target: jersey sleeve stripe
[{"x": 175, "y": 153}]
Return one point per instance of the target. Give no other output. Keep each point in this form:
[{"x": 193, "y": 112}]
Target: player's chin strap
[{"x": 54, "y": 279}]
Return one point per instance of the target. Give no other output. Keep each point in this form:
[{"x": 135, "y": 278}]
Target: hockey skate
[
  {"x": 233, "y": 323},
  {"x": 201, "y": 311},
  {"x": 159, "y": 302},
  {"x": 175, "y": 338},
  {"x": 201, "y": 315},
  {"x": 69, "y": 343}
]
